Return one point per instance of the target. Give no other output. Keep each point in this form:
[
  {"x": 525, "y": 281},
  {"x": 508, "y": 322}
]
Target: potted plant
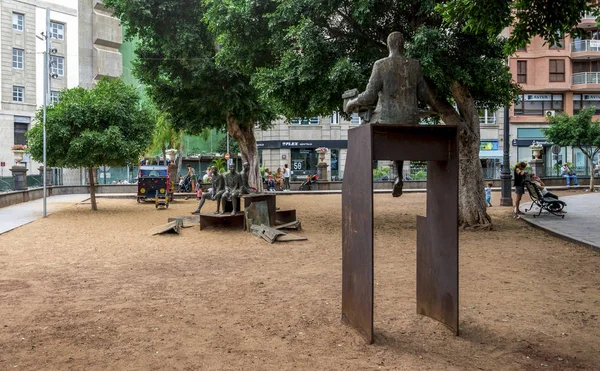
[
  {"x": 322, "y": 151},
  {"x": 18, "y": 150},
  {"x": 171, "y": 152},
  {"x": 536, "y": 149}
]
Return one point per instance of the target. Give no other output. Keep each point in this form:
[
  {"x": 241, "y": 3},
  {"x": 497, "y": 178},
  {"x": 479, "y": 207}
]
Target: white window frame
[
  {"x": 335, "y": 118},
  {"x": 57, "y": 30},
  {"x": 57, "y": 65},
  {"x": 488, "y": 118},
  {"x": 305, "y": 121},
  {"x": 18, "y": 58},
  {"x": 18, "y": 94},
  {"x": 18, "y": 21},
  {"x": 54, "y": 96}
]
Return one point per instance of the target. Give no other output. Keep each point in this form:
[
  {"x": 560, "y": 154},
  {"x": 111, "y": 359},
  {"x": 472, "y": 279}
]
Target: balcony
[
  {"x": 487, "y": 120},
  {"x": 585, "y": 49},
  {"x": 585, "y": 81}
]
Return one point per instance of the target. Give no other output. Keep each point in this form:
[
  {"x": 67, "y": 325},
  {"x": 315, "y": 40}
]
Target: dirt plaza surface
[{"x": 84, "y": 290}]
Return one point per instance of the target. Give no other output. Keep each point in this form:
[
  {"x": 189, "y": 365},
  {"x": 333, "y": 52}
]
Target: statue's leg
[
  {"x": 201, "y": 203},
  {"x": 224, "y": 202},
  {"x": 397, "y": 189},
  {"x": 235, "y": 199}
]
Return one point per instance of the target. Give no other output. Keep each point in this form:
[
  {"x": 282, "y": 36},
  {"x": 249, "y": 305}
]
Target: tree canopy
[
  {"x": 578, "y": 131},
  {"x": 527, "y": 18},
  {"x": 88, "y": 128}
]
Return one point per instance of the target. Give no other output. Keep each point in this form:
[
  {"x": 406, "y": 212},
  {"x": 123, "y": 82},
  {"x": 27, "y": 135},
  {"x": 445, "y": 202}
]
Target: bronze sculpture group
[{"x": 228, "y": 187}]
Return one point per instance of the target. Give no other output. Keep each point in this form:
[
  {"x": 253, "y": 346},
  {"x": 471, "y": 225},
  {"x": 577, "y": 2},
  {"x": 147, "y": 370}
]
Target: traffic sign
[
  {"x": 2, "y": 164},
  {"x": 227, "y": 156}
]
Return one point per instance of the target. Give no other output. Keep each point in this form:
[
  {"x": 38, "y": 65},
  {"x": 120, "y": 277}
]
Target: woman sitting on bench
[{"x": 538, "y": 183}]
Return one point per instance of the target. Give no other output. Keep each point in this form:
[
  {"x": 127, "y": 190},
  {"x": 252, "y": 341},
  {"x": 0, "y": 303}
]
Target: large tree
[
  {"x": 177, "y": 60},
  {"x": 88, "y": 128},
  {"x": 323, "y": 48},
  {"x": 578, "y": 131}
]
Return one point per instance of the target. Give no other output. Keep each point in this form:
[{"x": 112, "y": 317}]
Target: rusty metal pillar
[
  {"x": 357, "y": 233},
  {"x": 437, "y": 233}
]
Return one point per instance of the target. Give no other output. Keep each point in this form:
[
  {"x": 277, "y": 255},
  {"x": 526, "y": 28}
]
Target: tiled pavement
[
  {"x": 581, "y": 223},
  {"x": 12, "y": 217}
]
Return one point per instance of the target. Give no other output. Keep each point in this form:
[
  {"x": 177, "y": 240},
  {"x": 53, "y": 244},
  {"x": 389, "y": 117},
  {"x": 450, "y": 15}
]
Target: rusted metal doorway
[{"x": 437, "y": 233}]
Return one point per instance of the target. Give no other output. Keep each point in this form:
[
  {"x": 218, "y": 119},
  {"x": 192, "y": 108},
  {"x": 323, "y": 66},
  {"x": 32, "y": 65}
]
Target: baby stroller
[
  {"x": 307, "y": 184},
  {"x": 186, "y": 186}
]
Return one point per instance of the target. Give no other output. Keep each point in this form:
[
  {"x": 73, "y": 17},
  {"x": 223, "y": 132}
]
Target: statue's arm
[{"x": 370, "y": 95}]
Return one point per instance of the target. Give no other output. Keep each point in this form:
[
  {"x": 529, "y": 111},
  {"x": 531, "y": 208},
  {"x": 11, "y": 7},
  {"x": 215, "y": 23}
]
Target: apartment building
[
  {"x": 84, "y": 41},
  {"x": 554, "y": 78}
]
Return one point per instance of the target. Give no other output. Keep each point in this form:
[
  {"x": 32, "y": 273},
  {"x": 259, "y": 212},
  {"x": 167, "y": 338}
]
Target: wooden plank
[
  {"x": 291, "y": 225},
  {"x": 290, "y": 237},
  {"x": 171, "y": 227}
]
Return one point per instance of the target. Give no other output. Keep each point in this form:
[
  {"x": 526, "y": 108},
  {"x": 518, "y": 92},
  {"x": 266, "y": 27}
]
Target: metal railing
[
  {"x": 578, "y": 46},
  {"x": 489, "y": 120},
  {"x": 588, "y": 15},
  {"x": 585, "y": 78}
]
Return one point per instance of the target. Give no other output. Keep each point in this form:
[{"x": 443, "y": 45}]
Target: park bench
[{"x": 552, "y": 205}]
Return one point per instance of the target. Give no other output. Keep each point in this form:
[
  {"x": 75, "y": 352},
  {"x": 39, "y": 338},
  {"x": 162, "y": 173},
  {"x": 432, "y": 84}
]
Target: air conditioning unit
[{"x": 549, "y": 113}]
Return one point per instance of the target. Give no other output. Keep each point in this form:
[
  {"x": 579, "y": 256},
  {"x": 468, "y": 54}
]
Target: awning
[{"x": 499, "y": 154}]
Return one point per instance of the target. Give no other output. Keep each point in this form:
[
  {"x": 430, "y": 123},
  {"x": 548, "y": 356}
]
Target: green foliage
[
  {"x": 178, "y": 62},
  {"x": 220, "y": 163},
  {"x": 420, "y": 175},
  {"x": 88, "y": 128},
  {"x": 164, "y": 135},
  {"x": 380, "y": 172},
  {"x": 528, "y": 18},
  {"x": 234, "y": 148}
]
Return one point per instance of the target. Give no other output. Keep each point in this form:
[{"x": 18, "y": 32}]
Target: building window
[
  {"x": 18, "y": 58},
  {"x": 18, "y": 94},
  {"x": 557, "y": 70},
  {"x": 305, "y": 121},
  {"x": 304, "y": 162},
  {"x": 54, "y": 96},
  {"x": 522, "y": 72},
  {"x": 487, "y": 117},
  {"x": 57, "y": 31},
  {"x": 20, "y": 130},
  {"x": 581, "y": 101},
  {"x": 538, "y": 104},
  {"x": 18, "y": 21},
  {"x": 335, "y": 118},
  {"x": 355, "y": 120},
  {"x": 57, "y": 65}
]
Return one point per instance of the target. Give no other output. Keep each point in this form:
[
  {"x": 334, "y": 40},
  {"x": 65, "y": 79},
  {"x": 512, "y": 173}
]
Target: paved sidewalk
[
  {"x": 580, "y": 224},
  {"x": 12, "y": 217}
]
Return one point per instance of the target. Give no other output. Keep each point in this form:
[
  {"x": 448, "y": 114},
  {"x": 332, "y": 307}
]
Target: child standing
[{"x": 488, "y": 195}]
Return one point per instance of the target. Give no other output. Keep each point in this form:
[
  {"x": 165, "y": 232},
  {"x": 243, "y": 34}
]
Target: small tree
[
  {"x": 88, "y": 128},
  {"x": 579, "y": 131}
]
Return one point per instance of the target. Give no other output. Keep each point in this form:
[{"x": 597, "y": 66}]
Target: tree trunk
[
  {"x": 244, "y": 136},
  {"x": 591, "y": 174},
  {"x": 92, "y": 179},
  {"x": 164, "y": 153},
  {"x": 179, "y": 159},
  {"x": 472, "y": 212}
]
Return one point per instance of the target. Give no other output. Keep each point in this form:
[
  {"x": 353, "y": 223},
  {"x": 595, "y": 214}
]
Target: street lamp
[{"x": 505, "y": 176}]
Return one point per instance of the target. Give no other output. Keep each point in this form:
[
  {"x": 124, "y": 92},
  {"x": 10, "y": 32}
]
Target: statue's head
[
  {"x": 246, "y": 166},
  {"x": 395, "y": 42},
  {"x": 213, "y": 169},
  {"x": 232, "y": 168}
]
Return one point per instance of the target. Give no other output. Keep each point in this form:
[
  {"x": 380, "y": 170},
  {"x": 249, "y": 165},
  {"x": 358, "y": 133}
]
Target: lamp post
[
  {"x": 505, "y": 176},
  {"x": 46, "y": 87}
]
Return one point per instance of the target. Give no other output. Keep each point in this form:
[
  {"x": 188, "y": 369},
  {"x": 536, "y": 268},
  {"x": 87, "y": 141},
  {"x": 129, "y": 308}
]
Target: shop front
[
  {"x": 491, "y": 159},
  {"x": 526, "y": 137},
  {"x": 301, "y": 157}
]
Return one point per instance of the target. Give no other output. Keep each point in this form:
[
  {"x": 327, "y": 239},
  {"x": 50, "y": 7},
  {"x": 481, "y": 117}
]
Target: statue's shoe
[
  {"x": 195, "y": 212},
  {"x": 397, "y": 189}
]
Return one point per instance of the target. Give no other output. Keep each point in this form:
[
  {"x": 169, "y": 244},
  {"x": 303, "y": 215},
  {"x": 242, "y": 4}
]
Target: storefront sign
[
  {"x": 528, "y": 142},
  {"x": 269, "y": 144},
  {"x": 491, "y": 145},
  {"x": 592, "y": 97},
  {"x": 539, "y": 97}
]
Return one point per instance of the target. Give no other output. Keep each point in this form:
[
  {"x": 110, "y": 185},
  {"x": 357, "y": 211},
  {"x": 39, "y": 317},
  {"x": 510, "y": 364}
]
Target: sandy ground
[{"x": 83, "y": 290}]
